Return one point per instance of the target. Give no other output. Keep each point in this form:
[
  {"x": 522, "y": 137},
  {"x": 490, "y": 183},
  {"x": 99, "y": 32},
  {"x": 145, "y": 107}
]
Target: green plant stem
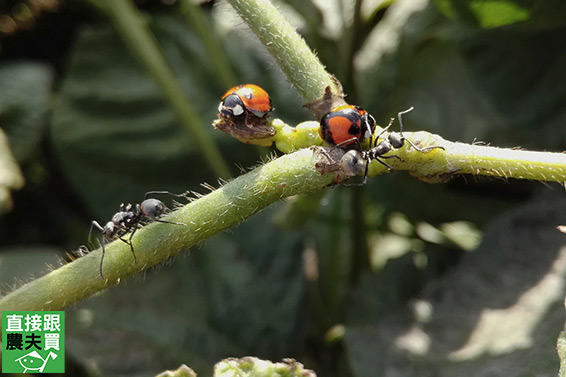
[
  {"x": 139, "y": 39},
  {"x": 459, "y": 158},
  {"x": 438, "y": 165},
  {"x": 213, "y": 213},
  {"x": 294, "y": 57}
]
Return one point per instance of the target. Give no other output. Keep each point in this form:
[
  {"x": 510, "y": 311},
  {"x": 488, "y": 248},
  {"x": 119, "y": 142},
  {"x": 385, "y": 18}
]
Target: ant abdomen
[{"x": 152, "y": 208}]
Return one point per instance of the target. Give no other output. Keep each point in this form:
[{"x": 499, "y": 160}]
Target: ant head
[
  {"x": 396, "y": 139},
  {"x": 152, "y": 208},
  {"x": 109, "y": 229}
]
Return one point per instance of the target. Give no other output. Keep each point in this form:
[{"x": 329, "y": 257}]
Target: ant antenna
[
  {"x": 400, "y": 116},
  {"x": 384, "y": 130},
  {"x": 403, "y": 138}
]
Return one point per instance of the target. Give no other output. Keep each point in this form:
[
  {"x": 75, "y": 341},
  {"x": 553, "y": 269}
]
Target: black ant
[
  {"x": 129, "y": 219},
  {"x": 352, "y": 160}
]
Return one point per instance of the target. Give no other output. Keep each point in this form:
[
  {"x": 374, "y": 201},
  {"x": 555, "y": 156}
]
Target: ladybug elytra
[
  {"x": 245, "y": 99},
  {"x": 346, "y": 125}
]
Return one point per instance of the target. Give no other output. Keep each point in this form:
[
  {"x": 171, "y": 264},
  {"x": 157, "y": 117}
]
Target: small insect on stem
[
  {"x": 129, "y": 219},
  {"x": 356, "y": 160}
]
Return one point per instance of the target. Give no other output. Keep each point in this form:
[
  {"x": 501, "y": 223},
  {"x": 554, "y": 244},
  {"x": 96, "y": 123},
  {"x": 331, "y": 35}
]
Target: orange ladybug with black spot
[
  {"x": 246, "y": 101},
  {"x": 346, "y": 126}
]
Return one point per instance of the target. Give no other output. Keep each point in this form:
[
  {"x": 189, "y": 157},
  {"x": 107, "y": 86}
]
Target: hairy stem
[
  {"x": 439, "y": 165},
  {"x": 213, "y": 213},
  {"x": 294, "y": 57}
]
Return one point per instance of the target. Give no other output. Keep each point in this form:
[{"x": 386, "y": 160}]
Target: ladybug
[
  {"x": 354, "y": 162},
  {"x": 246, "y": 99},
  {"x": 346, "y": 125}
]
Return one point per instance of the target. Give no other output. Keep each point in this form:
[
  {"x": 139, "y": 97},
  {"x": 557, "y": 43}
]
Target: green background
[{"x": 396, "y": 278}]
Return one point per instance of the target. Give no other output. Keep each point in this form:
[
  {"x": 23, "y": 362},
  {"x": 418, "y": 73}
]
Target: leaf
[
  {"x": 11, "y": 177},
  {"x": 467, "y": 84},
  {"x": 112, "y": 128},
  {"x": 498, "y": 311},
  {"x": 486, "y": 14},
  {"x": 24, "y": 102}
]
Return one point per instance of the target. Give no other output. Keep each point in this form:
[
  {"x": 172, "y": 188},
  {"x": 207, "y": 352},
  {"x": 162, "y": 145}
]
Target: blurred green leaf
[
  {"x": 462, "y": 233},
  {"x": 25, "y": 91},
  {"x": 11, "y": 177},
  {"x": 496, "y": 85},
  {"x": 487, "y": 14},
  {"x": 112, "y": 131},
  {"x": 385, "y": 247},
  {"x": 498, "y": 311}
]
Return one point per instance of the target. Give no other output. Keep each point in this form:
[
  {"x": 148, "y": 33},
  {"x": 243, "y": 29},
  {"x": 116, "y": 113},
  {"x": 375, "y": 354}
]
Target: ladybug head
[{"x": 231, "y": 106}]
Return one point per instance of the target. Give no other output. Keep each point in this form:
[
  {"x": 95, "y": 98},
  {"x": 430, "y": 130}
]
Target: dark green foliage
[{"x": 416, "y": 303}]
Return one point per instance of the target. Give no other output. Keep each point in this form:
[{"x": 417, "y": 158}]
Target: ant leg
[
  {"x": 129, "y": 242},
  {"x": 102, "y": 258},
  {"x": 393, "y": 156},
  {"x": 94, "y": 224},
  {"x": 161, "y": 192},
  {"x": 351, "y": 165},
  {"x": 123, "y": 240},
  {"x": 384, "y": 130},
  {"x": 168, "y": 222},
  {"x": 403, "y": 138},
  {"x": 356, "y": 141},
  {"x": 364, "y": 181},
  {"x": 366, "y": 170},
  {"x": 346, "y": 142},
  {"x": 183, "y": 195},
  {"x": 82, "y": 251},
  {"x": 378, "y": 159}
]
